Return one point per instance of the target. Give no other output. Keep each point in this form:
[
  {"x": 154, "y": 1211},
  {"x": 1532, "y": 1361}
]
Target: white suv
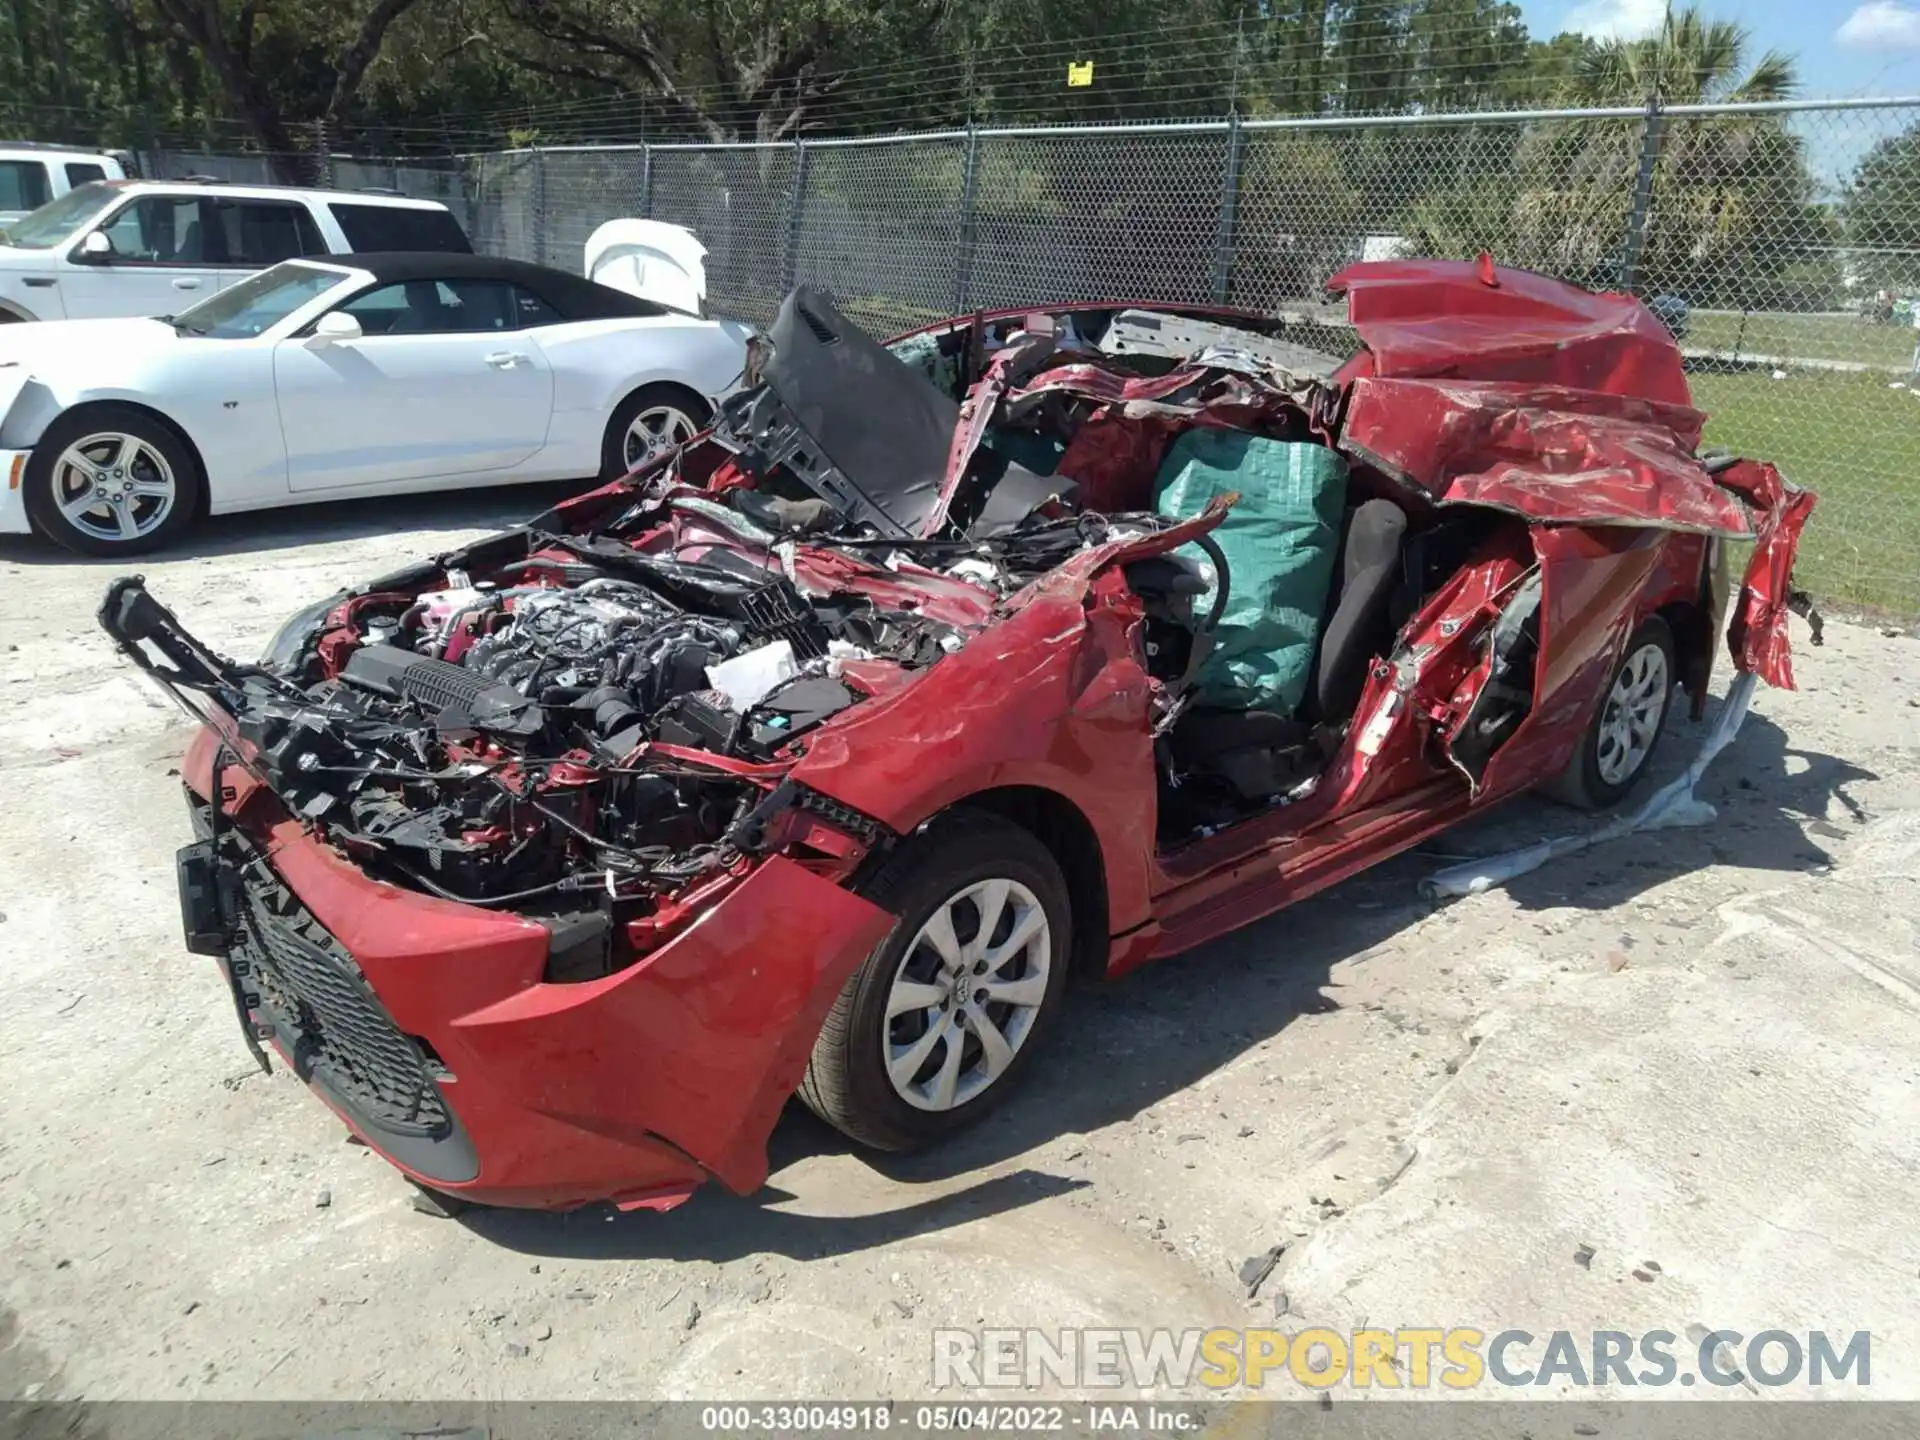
[
  {"x": 147, "y": 247},
  {"x": 31, "y": 175}
]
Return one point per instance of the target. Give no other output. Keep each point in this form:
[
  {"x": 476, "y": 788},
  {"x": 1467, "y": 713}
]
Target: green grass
[
  {"x": 1803, "y": 337},
  {"x": 1854, "y": 441}
]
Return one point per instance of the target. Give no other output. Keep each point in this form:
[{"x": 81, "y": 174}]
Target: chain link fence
[{"x": 1781, "y": 241}]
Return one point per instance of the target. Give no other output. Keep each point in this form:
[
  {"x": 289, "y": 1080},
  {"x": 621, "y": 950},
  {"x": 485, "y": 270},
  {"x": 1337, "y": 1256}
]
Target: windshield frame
[
  {"x": 346, "y": 281},
  {"x": 105, "y": 192}
]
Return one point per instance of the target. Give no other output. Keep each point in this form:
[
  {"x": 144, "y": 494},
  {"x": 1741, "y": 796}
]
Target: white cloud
[
  {"x": 1623, "y": 19},
  {"x": 1881, "y": 23}
]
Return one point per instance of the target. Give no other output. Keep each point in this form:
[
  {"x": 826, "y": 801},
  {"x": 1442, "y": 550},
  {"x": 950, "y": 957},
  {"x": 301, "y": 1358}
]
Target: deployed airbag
[{"x": 1279, "y": 542}]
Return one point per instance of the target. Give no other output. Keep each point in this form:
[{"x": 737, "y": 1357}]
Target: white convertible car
[{"x": 375, "y": 375}]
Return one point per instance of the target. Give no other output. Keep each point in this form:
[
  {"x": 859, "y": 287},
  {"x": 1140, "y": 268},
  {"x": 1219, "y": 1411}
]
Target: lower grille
[{"x": 335, "y": 1029}]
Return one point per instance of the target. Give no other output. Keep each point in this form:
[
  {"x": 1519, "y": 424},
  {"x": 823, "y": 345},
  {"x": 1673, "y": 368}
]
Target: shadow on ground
[
  {"x": 1772, "y": 800},
  {"x": 1146, "y": 1036},
  {"x": 298, "y": 525}
]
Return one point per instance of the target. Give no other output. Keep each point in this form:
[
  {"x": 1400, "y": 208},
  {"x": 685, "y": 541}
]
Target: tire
[
  {"x": 683, "y": 415},
  {"x": 149, "y": 477},
  {"x": 1627, "y": 724},
  {"x": 953, "y": 867}
]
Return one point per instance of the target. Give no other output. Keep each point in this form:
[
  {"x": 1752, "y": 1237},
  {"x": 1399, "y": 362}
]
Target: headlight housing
[{"x": 287, "y": 651}]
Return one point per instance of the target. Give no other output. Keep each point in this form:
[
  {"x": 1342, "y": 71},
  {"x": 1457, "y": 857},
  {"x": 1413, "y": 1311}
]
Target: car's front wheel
[
  {"x": 929, "y": 1033},
  {"x": 111, "y": 480},
  {"x": 1626, "y": 726}
]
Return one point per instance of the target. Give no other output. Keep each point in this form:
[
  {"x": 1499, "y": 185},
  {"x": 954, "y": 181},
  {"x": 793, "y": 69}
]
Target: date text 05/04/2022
[{"x": 990, "y": 1419}]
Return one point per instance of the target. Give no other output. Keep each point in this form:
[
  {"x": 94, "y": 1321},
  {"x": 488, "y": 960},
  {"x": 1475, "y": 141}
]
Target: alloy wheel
[
  {"x": 1635, "y": 707},
  {"x": 114, "y": 487},
  {"x": 657, "y": 428},
  {"x": 966, "y": 994}
]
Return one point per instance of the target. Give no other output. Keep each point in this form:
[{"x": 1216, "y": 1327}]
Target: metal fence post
[
  {"x": 1636, "y": 238},
  {"x": 1227, "y": 221},
  {"x": 646, "y": 182},
  {"x": 539, "y": 206},
  {"x": 796, "y": 210},
  {"x": 969, "y": 224}
]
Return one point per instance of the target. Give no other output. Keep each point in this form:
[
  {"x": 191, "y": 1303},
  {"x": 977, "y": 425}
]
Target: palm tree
[
  {"x": 1731, "y": 201},
  {"x": 1692, "y": 61}
]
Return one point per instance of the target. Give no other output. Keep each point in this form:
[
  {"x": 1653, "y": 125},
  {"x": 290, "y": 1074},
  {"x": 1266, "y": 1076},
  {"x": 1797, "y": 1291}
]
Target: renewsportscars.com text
[{"x": 1460, "y": 1358}]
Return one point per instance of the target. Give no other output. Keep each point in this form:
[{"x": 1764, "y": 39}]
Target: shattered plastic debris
[
  {"x": 747, "y": 679},
  {"x": 971, "y": 569}
]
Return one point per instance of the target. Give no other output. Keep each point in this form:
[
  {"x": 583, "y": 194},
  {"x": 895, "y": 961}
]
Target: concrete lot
[{"x": 1697, "y": 1049}]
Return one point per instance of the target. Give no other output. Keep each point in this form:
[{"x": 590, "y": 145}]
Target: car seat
[
  {"x": 190, "y": 251},
  {"x": 425, "y": 314},
  {"x": 1360, "y": 621},
  {"x": 1260, "y": 753}
]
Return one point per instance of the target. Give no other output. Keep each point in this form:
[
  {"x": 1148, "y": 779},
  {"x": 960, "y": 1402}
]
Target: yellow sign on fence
[{"x": 1079, "y": 74}]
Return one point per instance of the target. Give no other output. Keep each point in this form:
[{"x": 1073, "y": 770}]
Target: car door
[
  {"x": 442, "y": 383},
  {"x": 161, "y": 261}
]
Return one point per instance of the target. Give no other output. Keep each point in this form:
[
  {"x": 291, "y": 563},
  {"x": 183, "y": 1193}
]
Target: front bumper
[
  {"x": 633, "y": 1088},
  {"x": 13, "y": 492}
]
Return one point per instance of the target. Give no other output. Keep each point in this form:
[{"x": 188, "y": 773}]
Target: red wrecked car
[{"x": 818, "y": 754}]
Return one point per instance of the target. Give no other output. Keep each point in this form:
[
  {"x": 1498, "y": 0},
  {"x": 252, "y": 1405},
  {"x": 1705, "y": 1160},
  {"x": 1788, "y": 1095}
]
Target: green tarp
[{"x": 1280, "y": 542}]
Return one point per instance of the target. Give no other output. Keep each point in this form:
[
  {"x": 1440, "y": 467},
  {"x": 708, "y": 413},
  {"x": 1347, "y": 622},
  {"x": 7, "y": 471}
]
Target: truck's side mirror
[{"x": 97, "y": 246}]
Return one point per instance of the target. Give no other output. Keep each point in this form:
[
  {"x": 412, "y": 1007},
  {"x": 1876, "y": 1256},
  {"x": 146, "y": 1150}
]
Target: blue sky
[{"x": 1844, "y": 47}]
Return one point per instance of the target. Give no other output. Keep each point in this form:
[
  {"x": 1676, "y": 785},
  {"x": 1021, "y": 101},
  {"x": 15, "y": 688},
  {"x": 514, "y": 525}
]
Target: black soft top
[{"x": 573, "y": 297}]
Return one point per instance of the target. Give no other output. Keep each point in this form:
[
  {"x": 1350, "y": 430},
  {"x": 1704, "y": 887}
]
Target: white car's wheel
[
  {"x": 652, "y": 419},
  {"x": 111, "y": 480}
]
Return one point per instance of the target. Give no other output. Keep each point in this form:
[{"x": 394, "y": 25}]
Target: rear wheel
[
  {"x": 111, "y": 480},
  {"x": 1626, "y": 726},
  {"x": 929, "y": 1033},
  {"x": 652, "y": 419}
]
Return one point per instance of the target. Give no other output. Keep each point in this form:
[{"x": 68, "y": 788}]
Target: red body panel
[
  {"x": 1596, "y": 586},
  {"x": 1567, "y": 409},
  {"x": 1542, "y": 452},
  {"x": 1471, "y": 320},
  {"x": 642, "y": 1083}
]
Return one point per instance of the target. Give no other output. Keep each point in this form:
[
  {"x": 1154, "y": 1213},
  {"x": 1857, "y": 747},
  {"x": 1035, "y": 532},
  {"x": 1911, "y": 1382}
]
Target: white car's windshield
[
  {"x": 59, "y": 220},
  {"x": 258, "y": 303}
]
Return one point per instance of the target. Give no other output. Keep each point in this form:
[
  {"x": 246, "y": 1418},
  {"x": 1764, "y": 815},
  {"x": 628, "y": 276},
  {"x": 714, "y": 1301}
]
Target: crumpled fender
[
  {"x": 1757, "y": 620},
  {"x": 699, "y": 1043},
  {"x": 1053, "y": 696}
]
